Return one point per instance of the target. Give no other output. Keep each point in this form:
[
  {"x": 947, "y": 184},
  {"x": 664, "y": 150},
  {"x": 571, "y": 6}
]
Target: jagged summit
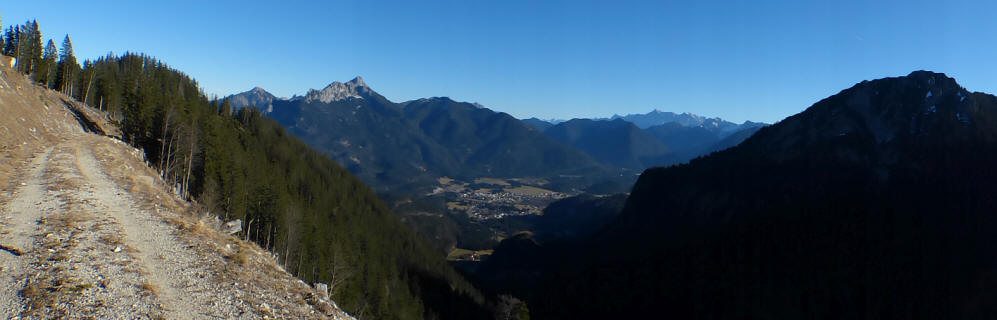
[
  {"x": 358, "y": 80},
  {"x": 657, "y": 117},
  {"x": 336, "y": 91}
]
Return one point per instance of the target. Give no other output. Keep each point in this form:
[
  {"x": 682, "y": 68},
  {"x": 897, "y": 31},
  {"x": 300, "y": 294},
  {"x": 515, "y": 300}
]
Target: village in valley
[{"x": 494, "y": 198}]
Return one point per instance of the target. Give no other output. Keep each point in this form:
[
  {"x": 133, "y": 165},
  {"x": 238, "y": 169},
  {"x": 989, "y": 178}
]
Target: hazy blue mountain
[
  {"x": 537, "y": 123},
  {"x": 489, "y": 143},
  {"x": 684, "y": 141},
  {"x": 615, "y": 142},
  {"x": 687, "y": 142},
  {"x": 684, "y": 135},
  {"x": 733, "y": 139}
]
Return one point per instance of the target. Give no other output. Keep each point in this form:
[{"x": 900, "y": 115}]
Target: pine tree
[
  {"x": 10, "y": 41},
  {"x": 13, "y": 44},
  {"x": 26, "y": 47},
  {"x": 225, "y": 109},
  {"x": 68, "y": 69},
  {"x": 3, "y": 38},
  {"x": 50, "y": 60},
  {"x": 34, "y": 53}
]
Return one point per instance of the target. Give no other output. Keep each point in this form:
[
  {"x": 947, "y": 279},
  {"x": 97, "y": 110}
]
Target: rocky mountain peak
[
  {"x": 358, "y": 81},
  {"x": 337, "y": 91},
  {"x": 256, "y": 96}
]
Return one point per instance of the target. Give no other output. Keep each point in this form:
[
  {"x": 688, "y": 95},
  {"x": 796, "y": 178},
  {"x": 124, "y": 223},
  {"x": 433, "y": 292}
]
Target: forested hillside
[{"x": 322, "y": 223}]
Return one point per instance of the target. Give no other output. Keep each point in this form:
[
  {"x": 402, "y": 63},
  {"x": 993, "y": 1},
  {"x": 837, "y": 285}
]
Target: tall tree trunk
[
  {"x": 269, "y": 228},
  {"x": 89, "y": 84},
  {"x": 190, "y": 159},
  {"x": 162, "y": 142},
  {"x": 249, "y": 227}
]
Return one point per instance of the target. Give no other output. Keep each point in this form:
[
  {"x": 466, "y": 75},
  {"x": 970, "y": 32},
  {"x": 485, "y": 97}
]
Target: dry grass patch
[
  {"x": 190, "y": 226},
  {"x": 68, "y": 220},
  {"x": 131, "y": 268},
  {"x": 121, "y": 262},
  {"x": 70, "y": 182},
  {"x": 112, "y": 239},
  {"x": 149, "y": 289},
  {"x": 40, "y": 294},
  {"x": 79, "y": 288},
  {"x": 45, "y": 293},
  {"x": 141, "y": 184},
  {"x": 240, "y": 254},
  {"x": 59, "y": 256}
]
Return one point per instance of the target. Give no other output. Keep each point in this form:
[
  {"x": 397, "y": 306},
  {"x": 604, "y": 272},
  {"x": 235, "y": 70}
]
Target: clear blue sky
[{"x": 740, "y": 60}]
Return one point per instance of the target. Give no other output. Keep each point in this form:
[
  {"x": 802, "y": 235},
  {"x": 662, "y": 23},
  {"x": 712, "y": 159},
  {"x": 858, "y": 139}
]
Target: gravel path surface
[
  {"x": 78, "y": 244},
  {"x": 20, "y": 226}
]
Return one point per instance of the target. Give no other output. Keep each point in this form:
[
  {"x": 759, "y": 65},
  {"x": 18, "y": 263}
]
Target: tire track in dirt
[
  {"x": 150, "y": 238},
  {"x": 18, "y": 230}
]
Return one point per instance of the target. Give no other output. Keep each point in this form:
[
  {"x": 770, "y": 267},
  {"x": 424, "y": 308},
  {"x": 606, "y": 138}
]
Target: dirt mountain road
[{"x": 88, "y": 230}]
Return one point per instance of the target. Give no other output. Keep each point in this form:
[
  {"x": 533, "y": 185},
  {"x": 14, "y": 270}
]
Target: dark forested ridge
[
  {"x": 405, "y": 147},
  {"x": 540, "y": 125},
  {"x": 876, "y": 202},
  {"x": 323, "y": 223},
  {"x": 489, "y": 143}
]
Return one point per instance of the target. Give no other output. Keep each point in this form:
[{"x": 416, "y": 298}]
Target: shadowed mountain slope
[{"x": 873, "y": 203}]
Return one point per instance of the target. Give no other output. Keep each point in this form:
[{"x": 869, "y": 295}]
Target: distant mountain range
[
  {"x": 680, "y": 137},
  {"x": 403, "y": 145},
  {"x": 876, "y": 202},
  {"x": 656, "y": 117}
]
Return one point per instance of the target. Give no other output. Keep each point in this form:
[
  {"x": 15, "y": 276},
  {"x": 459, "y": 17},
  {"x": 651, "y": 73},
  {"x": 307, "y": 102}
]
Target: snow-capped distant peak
[{"x": 339, "y": 91}]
